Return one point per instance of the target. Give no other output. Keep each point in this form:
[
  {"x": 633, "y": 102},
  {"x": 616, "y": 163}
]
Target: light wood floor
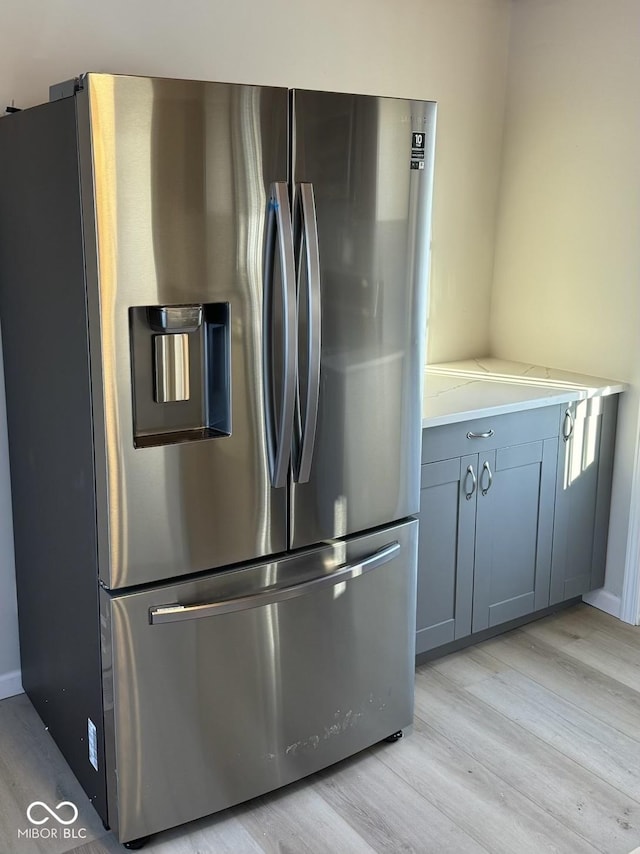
[{"x": 526, "y": 743}]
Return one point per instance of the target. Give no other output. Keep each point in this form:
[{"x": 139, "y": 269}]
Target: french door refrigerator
[{"x": 213, "y": 314}]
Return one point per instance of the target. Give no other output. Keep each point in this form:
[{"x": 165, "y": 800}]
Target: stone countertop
[{"x": 475, "y": 388}]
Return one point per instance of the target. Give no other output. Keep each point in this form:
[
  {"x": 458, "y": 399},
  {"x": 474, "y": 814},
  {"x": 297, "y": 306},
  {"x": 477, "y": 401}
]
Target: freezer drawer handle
[{"x": 175, "y": 613}]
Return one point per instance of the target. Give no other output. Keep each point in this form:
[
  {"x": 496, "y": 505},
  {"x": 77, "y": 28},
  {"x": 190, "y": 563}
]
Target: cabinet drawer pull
[
  {"x": 567, "y": 426},
  {"x": 487, "y": 435},
  {"x": 469, "y": 495},
  {"x": 486, "y": 468}
]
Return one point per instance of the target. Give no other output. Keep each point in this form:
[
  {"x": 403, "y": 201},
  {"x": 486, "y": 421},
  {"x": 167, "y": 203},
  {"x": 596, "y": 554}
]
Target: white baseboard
[
  {"x": 605, "y": 601},
  {"x": 10, "y": 684}
]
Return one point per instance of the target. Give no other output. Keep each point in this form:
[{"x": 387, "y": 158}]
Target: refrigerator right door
[{"x": 362, "y": 184}]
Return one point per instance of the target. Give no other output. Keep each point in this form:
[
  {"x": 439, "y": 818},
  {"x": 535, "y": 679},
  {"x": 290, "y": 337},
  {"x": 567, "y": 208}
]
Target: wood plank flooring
[{"x": 527, "y": 743}]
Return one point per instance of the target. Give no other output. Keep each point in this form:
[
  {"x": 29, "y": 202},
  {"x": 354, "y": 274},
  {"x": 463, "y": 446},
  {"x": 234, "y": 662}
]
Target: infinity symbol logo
[{"x": 52, "y": 814}]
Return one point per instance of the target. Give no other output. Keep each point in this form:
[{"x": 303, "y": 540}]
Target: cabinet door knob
[
  {"x": 567, "y": 426},
  {"x": 486, "y": 468},
  {"x": 487, "y": 435},
  {"x": 469, "y": 495}
]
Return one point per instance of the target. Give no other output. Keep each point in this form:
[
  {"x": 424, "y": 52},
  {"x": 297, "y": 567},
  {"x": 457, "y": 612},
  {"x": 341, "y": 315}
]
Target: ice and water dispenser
[{"x": 180, "y": 358}]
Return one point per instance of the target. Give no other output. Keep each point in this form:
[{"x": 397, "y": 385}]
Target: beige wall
[
  {"x": 452, "y": 51},
  {"x": 567, "y": 264}
]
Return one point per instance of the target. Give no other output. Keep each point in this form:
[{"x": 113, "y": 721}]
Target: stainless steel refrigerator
[{"x": 213, "y": 315}]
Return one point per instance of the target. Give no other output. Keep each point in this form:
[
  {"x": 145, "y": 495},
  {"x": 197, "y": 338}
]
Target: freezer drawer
[{"x": 222, "y": 689}]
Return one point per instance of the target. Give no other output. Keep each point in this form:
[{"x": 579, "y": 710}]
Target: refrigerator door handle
[
  {"x": 279, "y": 437},
  {"x": 307, "y": 425},
  {"x": 175, "y": 613}
]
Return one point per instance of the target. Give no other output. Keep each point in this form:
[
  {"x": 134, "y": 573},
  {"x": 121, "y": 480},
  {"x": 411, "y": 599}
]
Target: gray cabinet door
[
  {"x": 445, "y": 551},
  {"x": 583, "y": 496},
  {"x": 514, "y": 528}
]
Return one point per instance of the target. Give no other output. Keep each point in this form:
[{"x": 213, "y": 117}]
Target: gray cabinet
[
  {"x": 445, "y": 551},
  {"x": 486, "y": 523},
  {"x": 514, "y": 516},
  {"x": 583, "y": 495},
  {"x": 514, "y": 529}
]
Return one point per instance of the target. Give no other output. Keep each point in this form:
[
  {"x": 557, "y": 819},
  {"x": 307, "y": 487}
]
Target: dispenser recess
[{"x": 181, "y": 373}]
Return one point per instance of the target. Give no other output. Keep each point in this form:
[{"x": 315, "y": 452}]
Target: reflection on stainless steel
[
  {"x": 247, "y": 135},
  {"x": 172, "y": 187},
  {"x": 240, "y": 703}
]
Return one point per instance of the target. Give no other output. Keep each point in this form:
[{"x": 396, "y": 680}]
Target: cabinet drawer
[{"x": 513, "y": 428}]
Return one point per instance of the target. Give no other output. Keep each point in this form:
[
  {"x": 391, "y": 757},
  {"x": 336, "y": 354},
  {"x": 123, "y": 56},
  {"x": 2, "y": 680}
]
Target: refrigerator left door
[{"x": 177, "y": 178}]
